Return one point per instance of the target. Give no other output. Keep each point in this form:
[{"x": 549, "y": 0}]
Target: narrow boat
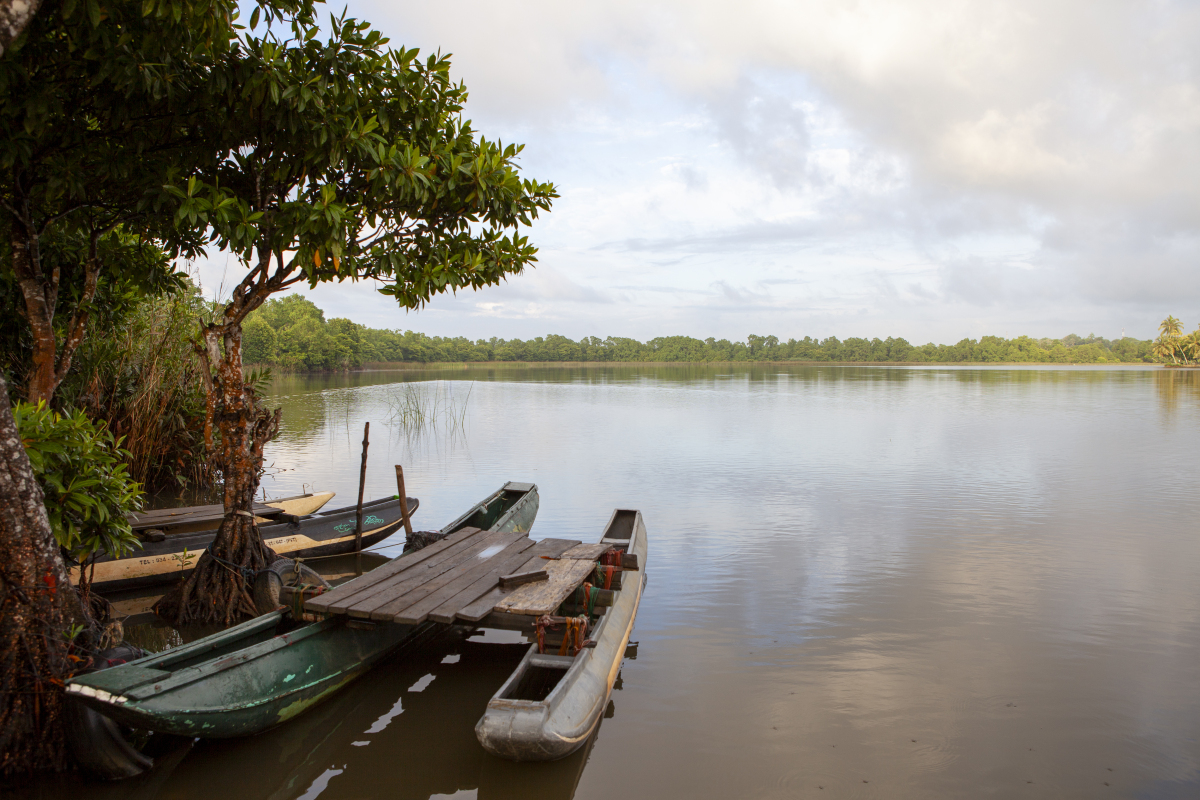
[
  {"x": 551, "y": 704},
  {"x": 324, "y": 534},
  {"x": 189, "y": 519},
  {"x": 263, "y": 672}
]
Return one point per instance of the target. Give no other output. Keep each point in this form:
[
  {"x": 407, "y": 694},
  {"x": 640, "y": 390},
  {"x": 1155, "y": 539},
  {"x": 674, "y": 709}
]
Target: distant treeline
[{"x": 291, "y": 333}]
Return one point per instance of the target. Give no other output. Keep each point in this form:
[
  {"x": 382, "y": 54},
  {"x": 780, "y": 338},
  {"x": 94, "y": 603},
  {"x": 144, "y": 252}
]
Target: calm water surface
[{"x": 863, "y": 582}]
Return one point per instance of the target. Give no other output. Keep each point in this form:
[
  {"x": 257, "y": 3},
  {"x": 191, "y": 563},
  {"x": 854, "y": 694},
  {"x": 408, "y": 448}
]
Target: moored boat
[
  {"x": 189, "y": 519},
  {"x": 263, "y": 672},
  {"x": 552, "y": 703},
  {"x": 323, "y": 534}
]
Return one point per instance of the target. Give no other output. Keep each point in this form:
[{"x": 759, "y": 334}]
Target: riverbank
[{"x": 411, "y": 366}]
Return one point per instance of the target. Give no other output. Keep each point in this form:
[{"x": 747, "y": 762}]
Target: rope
[
  {"x": 301, "y": 595},
  {"x": 605, "y": 572},
  {"x": 589, "y": 599},
  {"x": 246, "y": 573},
  {"x": 574, "y": 637}
]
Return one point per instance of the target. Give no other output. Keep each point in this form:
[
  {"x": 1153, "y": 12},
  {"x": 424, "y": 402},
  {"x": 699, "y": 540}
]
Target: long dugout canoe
[
  {"x": 189, "y": 519},
  {"x": 551, "y": 704},
  {"x": 324, "y": 534}
]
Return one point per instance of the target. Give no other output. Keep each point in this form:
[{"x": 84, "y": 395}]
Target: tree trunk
[
  {"x": 219, "y": 589},
  {"x": 37, "y": 605},
  {"x": 15, "y": 16},
  {"x": 51, "y": 361},
  {"x": 41, "y": 295}
]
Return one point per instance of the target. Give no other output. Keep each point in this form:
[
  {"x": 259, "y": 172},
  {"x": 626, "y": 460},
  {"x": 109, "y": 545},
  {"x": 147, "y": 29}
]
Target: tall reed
[
  {"x": 424, "y": 406},
  {"x": 144, "y": 381}
]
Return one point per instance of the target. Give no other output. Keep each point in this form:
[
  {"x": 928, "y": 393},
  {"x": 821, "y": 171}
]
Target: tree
[
  {"x": 1167, "y": 345},
  {"x": 102, "y": 105},
  {"x": 349, "y": 161},
  {"x": 37, "y": 606},
  {"x": 15, "y": 16}
]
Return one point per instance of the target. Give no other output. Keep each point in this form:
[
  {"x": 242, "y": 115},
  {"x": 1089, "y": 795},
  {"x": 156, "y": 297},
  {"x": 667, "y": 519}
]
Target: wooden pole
[
  {"x": 362, "y": 479},
  {"x": 403, "y": 501}
]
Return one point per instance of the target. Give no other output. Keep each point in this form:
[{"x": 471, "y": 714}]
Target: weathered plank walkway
[{"x": 458, "y": 579}]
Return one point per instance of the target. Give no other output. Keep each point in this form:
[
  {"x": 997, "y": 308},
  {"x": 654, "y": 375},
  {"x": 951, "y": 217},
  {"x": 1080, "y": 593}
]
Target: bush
[
  {"x": 81, "y": 469},
  {"x": 143, "y": 382}
]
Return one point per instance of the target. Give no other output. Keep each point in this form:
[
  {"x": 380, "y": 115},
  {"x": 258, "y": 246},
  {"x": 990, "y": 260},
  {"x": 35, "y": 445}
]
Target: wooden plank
[
  {"x": 445, "y": 562},
  {"x": 588, "y": 551},
  {"x": 466, "y": 586},
  {"x": 521, "y": 578},
  {"x": 543, "y": 598},
  {"x": 528, "y": 561},
  {"x": 344, "y": 595},
  {"x": 479, "y": 608},
  {"x": 509, "y": 622},
  {"x": 415, "y": 594},
  {"x": 390, "y": 569}
]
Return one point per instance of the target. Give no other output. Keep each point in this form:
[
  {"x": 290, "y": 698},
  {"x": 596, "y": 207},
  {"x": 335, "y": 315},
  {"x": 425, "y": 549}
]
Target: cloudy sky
[{"x": 931, "y": 170}]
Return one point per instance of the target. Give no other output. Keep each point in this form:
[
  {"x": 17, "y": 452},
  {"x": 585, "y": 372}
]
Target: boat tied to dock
[
  {"x": 168, "y": 557},
  {"x": 263, "y": 672}
]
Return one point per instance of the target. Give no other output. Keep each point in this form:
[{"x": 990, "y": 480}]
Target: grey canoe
[
  {"x": 551, "y": 705},
  {"x": 323, "y": 534},
  {"x": 263, "y": 672}
]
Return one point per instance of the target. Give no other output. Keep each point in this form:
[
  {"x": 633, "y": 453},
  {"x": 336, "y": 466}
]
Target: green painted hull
[
  {"x": 267, "y": 679},
  {"x": 266, "y": 671}
]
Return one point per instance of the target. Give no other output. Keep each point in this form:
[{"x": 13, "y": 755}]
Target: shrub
[{"x": 81, "y": 469}]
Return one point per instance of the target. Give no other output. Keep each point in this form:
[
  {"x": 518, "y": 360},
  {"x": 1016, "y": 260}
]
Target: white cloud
[{"x": 952, "y": 168}]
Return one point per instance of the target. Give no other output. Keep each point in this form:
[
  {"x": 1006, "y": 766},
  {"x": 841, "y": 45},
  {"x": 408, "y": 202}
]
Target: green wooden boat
[{"x": 266, "y": 671}]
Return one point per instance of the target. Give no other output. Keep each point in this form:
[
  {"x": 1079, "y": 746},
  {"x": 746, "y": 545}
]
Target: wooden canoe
[
  {"x": 263, "y": 672},
  {"x": 189, "y": 519},
  {"x": 241, "y": 681},
  {"x": 324, "y": 534},
  {"x": 551, "y": 704}
]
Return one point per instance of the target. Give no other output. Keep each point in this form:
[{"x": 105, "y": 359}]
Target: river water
[{"x": 863, "y": 582}]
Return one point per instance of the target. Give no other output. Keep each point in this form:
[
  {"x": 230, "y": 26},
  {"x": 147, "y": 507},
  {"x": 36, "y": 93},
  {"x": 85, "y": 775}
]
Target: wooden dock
[{"x": 457, "y": 580}]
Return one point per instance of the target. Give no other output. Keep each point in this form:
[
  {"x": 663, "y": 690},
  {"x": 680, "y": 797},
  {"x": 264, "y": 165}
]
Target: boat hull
[
  {"x": 325, "y": 534},
  {"x": 512, "y": 509},
  {"x": 264, "y": 672},
  {"x": 254, "y": 688},
  {"x": 521, "y": 729}
]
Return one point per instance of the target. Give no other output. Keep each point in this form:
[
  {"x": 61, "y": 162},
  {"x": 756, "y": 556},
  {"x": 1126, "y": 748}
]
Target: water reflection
[
  {"x": 1176, "y": 387},
  {"x": 886, "y": 582},
  {"x": 407, "y": 730}
]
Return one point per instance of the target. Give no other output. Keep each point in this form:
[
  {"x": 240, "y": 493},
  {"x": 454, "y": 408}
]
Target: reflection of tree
[{"x": 1176, "y": 386}]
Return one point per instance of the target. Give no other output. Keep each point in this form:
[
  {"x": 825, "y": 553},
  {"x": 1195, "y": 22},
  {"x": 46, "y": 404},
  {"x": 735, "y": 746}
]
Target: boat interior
[
  {"x": 489, "y": 512},
  {"x": 559, "y": 638}
]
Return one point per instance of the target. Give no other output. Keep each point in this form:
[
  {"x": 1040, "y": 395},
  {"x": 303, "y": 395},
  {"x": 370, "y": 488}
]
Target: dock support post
[
  {"x": 403, "y": 502},
  {"x": 362, "y": 479}
]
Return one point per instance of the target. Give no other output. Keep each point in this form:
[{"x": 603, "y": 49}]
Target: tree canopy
[{"x": 291, "y": 333}]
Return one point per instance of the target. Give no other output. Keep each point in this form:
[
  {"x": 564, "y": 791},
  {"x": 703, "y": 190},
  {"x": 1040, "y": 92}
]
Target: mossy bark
[
  {"x": 219, "y": 590},
  {"x": 38, "y": 606}
]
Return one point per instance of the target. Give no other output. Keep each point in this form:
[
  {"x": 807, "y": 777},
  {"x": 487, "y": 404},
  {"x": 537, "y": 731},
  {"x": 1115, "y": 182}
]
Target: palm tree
[
  {"x": 1171, "y": 328},
  {"x": 1164, "y": 348},
  {"x": 1191, "y": 345},
  {"x": 1168, "y": 343}
]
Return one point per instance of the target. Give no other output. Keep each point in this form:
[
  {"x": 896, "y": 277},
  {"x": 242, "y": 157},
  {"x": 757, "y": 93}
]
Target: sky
[{"x": 930, "y": 170}]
